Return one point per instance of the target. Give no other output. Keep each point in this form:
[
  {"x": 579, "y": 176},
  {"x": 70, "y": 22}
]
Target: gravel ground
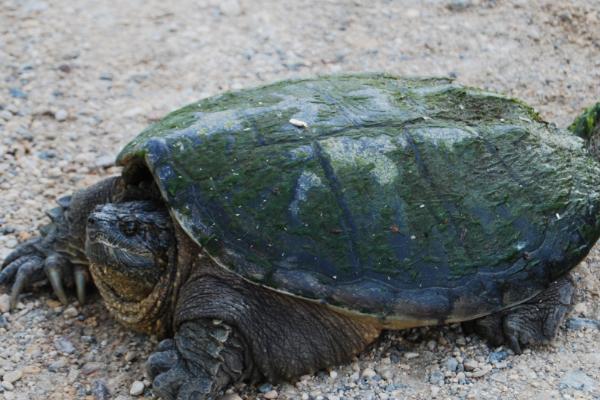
[{"x": 79, "y": 79}]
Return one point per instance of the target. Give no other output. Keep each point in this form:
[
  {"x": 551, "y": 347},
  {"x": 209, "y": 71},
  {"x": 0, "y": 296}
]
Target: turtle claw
[
  {"x": 55, "y": 278},
  {"x": 55, "y": 267},
  {"x": 27, "y": 264},
  {"x": 24, "y": 270},
  {"x": 81, "y": 280}
]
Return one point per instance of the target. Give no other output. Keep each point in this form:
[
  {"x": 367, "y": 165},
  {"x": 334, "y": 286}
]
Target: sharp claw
[
  {"x": 56, "y": 281},
  {"x": 17, "y": 288},
  {"x": 514, "y": 345},
  {"x": 80, "y": 282},
  {"x": 25, "y": 272}
]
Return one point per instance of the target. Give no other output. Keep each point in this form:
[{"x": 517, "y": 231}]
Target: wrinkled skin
[{"x": 219, "y": 328}]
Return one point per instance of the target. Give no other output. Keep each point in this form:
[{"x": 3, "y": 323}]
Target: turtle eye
[{"x": 129, "y": 228}]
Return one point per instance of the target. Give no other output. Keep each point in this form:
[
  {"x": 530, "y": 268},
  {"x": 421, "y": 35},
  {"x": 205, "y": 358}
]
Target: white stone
[
  {"x": 137, "y": 388},
  {"x": 61, "y": 115},
  {"x": 272, "y": 394},
  {"x": 368, "y": 373},
  {"x": 4, "y": 303},
  {"x": 12, "y": 376}
]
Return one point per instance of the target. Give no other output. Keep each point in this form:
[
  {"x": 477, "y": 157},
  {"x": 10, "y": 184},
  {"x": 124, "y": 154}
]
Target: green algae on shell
[{"x": 408, "y": 199}]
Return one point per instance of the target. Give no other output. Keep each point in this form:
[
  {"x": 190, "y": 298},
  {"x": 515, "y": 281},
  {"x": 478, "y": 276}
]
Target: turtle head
[{"x": 128, "y": 245}]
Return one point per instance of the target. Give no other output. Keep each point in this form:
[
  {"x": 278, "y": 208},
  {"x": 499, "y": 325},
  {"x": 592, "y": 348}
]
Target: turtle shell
[{"x": 419, "y": 201}]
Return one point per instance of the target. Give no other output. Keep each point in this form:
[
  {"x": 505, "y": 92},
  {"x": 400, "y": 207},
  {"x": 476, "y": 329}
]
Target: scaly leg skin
[
  {"x": 531, "y": 323},
  {"x": 228, "y": 330},
  {"x": 206, "y": 356}
]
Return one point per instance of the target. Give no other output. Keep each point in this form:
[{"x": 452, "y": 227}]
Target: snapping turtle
[{"x": 275, "y": 231}]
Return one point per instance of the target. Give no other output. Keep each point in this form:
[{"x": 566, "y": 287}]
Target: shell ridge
[{"x": 348, "y": 220}]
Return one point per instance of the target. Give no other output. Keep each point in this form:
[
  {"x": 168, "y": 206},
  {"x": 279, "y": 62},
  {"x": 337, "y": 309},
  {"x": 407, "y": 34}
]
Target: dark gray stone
[{"x": 578, "y": 324}]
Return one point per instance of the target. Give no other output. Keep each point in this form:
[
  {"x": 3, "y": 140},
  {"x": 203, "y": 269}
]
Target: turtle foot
[
  {"x": 35, "y": 260},
  {"x": 204, "y": 357},
  {"x": 171, "y": 378},
  {"x": 531, "y": 323}
]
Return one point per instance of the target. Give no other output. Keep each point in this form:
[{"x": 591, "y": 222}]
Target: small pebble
[
  {"x": 498, "y": 356},
  {"x": 411, "y": 355},
  {"x": 265, "y": 387},
  {"x": 272, "y": 394},
  {"x": 64, "y": 346},
  {"x": 12, "y": 376},
  {"x": 481, "y": 371},
  {"x": 451, "y": 364},
  {"x": 61, "y": 115},
  {"x": 17, "y": 93},
  {"x": 100, "y": 391},
  {"x": 66, "y": 68},
  {"x": 436, "y": 378},
  {"x": 368, "y": 373},
  {"x": 459, "y": 5},
  {"x": 8, "y": 386},
  {"x": 70, "y": 312},
  {"x": 104, "y": 162},
  {"x": 91, "y": 367},
  {"x": 4, "y": 303},
  {"x": 137, "y": 388},
  {"x": 470, "y": 364},
  {"x": 57, "y": 365},
  {"x": 5, "y": 115},
  {"x": 130, "y": 356},
  {"x": 578, "y": 324},
  {"x": 72, "y": 375}
]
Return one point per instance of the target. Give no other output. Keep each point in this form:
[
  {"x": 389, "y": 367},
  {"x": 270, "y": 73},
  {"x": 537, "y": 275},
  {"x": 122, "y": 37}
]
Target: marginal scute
[{"x": 408, "y": 199}]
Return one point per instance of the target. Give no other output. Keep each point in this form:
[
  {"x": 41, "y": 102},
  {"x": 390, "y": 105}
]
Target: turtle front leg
[
  {"x": 531, "y": 323},
  {"x": 204, "y": 358},
  {"x": 58, "y": 253},
  {"x": 228, "y": 330},
  {"x": 38, "y": 258}
]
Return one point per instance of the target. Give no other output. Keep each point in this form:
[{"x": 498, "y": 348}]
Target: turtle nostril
[{"x": 91, "y": 220}]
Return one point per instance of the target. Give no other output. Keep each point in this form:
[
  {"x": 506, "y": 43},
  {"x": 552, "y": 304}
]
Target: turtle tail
[{"x": 587, "y": 127}]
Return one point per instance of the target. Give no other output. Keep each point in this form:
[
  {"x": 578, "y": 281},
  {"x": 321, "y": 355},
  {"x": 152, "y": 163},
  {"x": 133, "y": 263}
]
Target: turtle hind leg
[{"x": 531, "y": 323}]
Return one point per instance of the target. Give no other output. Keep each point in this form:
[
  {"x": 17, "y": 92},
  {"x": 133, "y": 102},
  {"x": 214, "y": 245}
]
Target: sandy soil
[{"x": 80, "y": 79}]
